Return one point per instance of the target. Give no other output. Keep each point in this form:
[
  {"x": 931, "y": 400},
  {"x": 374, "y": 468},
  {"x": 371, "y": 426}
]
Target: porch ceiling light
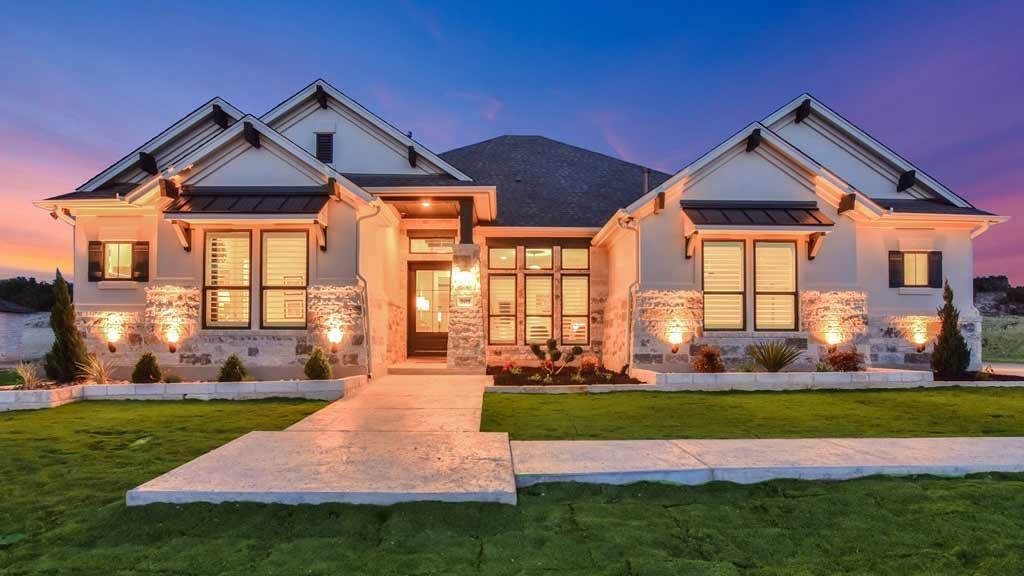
[{"x": 425, "y": 203}]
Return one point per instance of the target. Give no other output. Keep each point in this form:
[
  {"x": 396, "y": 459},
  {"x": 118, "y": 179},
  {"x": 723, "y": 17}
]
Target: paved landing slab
[
  {"x": 370, "y": 467},
  {"x": 750, "y": 461}
]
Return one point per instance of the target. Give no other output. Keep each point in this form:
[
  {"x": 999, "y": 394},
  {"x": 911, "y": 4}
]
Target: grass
[
  {"x": 66, "y": 471},
  {"x": 1003, "y": 339},
  {"x": 9, "y": 378},
  {"x": 810, "y": 414}
]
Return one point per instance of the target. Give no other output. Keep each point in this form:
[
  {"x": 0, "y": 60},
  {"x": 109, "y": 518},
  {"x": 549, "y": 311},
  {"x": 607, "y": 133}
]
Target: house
[{"x": 320, "y": 224}]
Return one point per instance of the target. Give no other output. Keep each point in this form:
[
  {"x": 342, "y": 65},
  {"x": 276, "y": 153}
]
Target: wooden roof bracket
[
  {"x": 659, "y": 202},
  {"x": 413, "y": 155},
  {"x": 691, "y": 244},
  {"x": 219, "y": 116},
  {"x": 754, "y": 140},
  {"x": 147, "y": 162},
  {"x": 184, "y": 233},
  {"x": 907, "y": 180},
  {"x": 252, "y": 136},
  {"x": 814, "y": 242},
  {"x": 803, "y": 111},
  {"x": 321, "y": 96},
  {"x": 168, "y": 189},
  {"x": 321, "y": 236},
  {"x": 847, "y": 202}
]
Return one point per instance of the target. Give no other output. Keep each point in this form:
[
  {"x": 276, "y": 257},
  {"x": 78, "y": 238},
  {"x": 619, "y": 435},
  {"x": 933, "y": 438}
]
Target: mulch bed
[
  {"x": 564, "y": 378},
  {"x": 981, "y": 377}
]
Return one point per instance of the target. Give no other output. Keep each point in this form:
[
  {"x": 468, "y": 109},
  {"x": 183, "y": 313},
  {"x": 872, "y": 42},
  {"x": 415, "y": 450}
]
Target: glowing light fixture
[
  {"x": 334, "y": 336},
  {"x": 173, "y": 336},
  {"x": 675, "y": 338},
  {"x": 425, "y": 203}
]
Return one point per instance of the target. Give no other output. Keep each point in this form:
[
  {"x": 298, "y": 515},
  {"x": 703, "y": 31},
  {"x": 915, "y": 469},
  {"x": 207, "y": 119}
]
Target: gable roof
[
  {"x": 864, "y": 139},
  {"x": 310, "y": 91},
  {"x": 543, "y": 182}
]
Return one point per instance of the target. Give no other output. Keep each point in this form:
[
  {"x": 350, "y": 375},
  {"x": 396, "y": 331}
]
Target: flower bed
[{"x": 537, "y": 376}]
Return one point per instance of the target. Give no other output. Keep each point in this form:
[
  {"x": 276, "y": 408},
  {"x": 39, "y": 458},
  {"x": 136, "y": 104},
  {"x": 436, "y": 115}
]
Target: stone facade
[
  {"x": 267, "y": 354},
  {"x": 892, "y": 340},
  {"x": 466, "y": 339}
]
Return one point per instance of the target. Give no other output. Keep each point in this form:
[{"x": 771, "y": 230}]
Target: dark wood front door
[{"x": 429, "y": 294}]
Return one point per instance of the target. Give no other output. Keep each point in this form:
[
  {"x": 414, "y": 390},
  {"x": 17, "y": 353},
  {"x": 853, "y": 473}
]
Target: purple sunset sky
[{"x": 657, "y": 84}]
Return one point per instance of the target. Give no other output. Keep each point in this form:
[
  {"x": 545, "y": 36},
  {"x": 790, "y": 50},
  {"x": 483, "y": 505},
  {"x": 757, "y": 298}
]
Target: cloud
[{"x": 487, "y": 106}]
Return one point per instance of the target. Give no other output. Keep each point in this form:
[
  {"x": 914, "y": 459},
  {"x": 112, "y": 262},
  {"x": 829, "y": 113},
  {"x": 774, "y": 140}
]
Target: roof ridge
[{"x": 562, "y": 143}]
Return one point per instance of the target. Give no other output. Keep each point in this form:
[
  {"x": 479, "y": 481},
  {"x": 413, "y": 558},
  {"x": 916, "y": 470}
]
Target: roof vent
[{"x": 645, "y": 181}]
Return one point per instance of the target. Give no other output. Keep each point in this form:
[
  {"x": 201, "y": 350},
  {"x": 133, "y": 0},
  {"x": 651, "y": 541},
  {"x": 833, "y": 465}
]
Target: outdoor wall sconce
[
  {"x": 675, "y": 339},
  {"x": 334, "y": 336},
  {"x": 173, "y": 336},
  {"x": 113, "y": 335}
]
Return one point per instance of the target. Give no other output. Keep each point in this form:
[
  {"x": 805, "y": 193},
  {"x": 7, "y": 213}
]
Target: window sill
[
  {"x": 117, "y": 284},
  {"x": 918, "y": 291}
]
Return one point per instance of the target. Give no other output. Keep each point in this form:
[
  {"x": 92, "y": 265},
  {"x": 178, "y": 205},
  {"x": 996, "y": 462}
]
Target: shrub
[
  {"x": 29, "y": 376},
  {"x": 1015, "y": 295},
  {"x": 950, "y": 356},
  {"x": 550, "y": 355},
  {"x": 317, "y": 367},
  {"x": 823, "y": 367},
  {"x": 708, "y": 360},
  {"x": 991, "y": 284},
  {"x": 773, "y": 356},
  {"x": 68, "y": 350},
  {"x": 232, "y": 370},
  {"x": 845, "y": 361},
  {"x": 747, "y": 366},
  {"x": 147, "y": 370},
  {"x": 96, "y": 369},
  {"x": 172, "y": 379}
]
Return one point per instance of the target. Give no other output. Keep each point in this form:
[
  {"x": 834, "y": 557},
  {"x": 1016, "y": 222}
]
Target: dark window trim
[
  {"x": 103, "y": 262},
  {"x": 561, "y": 309},
  {"x": 440, "y": 236},
  {"x": 515, "y": 308},
  {"x": 206, "y": 288},
  {"x": 515, "y": 264},
  {"x": 527, "y": 267},
  {"x": 561, "y": 258},
  {"x": 264, "y": 287},
  {"x": 796, "y": 284},
  {"x": 742, "y": 294},
  {"x": 539, "y": 241},
  {"x": 927, "y": 269},
  {"x": 551, "y": 315}
]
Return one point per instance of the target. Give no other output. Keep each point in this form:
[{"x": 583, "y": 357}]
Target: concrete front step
[
  {"x": 314, "y": 467},
  {"x": 431, "y": 370}
]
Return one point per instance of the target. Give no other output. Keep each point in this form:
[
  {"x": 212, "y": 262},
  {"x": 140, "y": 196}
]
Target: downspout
[
  {"x": 630, "y": 223},
  {"x": 364, "y": 293}
]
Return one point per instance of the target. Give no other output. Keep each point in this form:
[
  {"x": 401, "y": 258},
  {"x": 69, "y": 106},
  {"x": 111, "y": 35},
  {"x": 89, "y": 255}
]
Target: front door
[{"x": 429, "y": 292}]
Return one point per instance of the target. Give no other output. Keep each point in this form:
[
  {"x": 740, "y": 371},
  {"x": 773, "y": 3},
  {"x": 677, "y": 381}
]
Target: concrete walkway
[
  {"x": 749, "y": 461},
  {"x": 400, "y": 439},
  {"x": 1008, "y": 368}
]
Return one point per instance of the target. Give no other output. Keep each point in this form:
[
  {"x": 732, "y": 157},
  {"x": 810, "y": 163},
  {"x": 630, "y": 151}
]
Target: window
[
  {"x": 431, "y": 245},
  {"x": 915, "y": 269},
  {"x": 774, "y": 285},
  {"x": 575, "y": 258},
  {"x": 538, "y": 308},
  {"x": 501, "y": 295},
  {"x": 325, "y": 147},
  {"x": 284, "y": 279},
  {"x": 538, "y": 258},
  {"x": 724, "y": 285},
  {"x": 575, "y": 309},
  {"x": 226, "y": 280},
  {"x": 501, "y": 258},
  {"x": 117, "y": 261}
]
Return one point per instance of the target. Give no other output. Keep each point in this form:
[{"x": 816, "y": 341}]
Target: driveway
[
  {"x": 1007, "y": 368},
  {"x": 435, "y": 403}
]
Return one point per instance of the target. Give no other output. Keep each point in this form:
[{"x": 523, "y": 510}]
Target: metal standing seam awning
[{"x": 781, "y": 216}]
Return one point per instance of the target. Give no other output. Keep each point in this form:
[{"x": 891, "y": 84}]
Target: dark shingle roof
[
  {"x": 110, "y": 190},
  {"x": 250, "y": 200},
  {"x": 914, "y": 206},
  {"x": 543, "y": 182},
  {"x": 392, "y": 180}
]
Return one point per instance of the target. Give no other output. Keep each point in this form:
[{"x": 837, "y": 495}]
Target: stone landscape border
[{"x": 303, "y": 389}]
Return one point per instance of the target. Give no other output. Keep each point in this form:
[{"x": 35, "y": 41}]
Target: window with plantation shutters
[
  {"x": 775, "y": 285},
  {"x": 915, "y": 269},
  {"x": 538, "y": 308},
  {"x": 724, "y": 285},
  {"x": 284, "y": 279},
  {"x": 501, "y": 295},
  {"x": 575, "y": 309},
  {"x": 325, "y": 147},
  {"x": 226, "y": 280}
]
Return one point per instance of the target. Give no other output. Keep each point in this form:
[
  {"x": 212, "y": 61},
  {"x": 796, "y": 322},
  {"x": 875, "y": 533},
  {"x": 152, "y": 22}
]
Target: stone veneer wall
[
  {"x": 890, "y": 340},
  {"x": 599, "y": 332},
  {"x": 267, "y": 354},
  {"x": 466, "y": 338}
]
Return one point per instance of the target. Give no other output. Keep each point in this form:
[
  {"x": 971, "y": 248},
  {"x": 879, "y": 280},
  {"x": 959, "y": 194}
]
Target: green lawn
[
  {"x": 66, "y": 470},
  {"x": 1003, "y": 339},
  {"x": 9, "y": 378},
  {"x": 810, "y": 414}
]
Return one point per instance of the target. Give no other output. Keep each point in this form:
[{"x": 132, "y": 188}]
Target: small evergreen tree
[
  {"x": 147, "y": 370},
  {"x": 318, "y": 367},
  {"x": 68, "y": 350},
  {"x": 232, "y": 370},
  {"x": 951, "y": 355}
]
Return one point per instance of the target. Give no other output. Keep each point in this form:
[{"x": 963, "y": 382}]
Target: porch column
[{"x": 466, "y": 315}]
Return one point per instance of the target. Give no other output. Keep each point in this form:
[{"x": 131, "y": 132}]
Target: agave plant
[
  {"x": 773, "y": 356},
  {"x": 95, "y": 369},
  {"x": 29, "y": 375}
]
